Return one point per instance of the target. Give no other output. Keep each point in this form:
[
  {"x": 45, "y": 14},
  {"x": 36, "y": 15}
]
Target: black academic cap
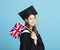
[{"x": 25, "y": 13}]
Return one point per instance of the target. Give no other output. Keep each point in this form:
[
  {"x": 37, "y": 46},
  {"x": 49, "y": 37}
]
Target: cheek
[
  {"x": 30, "y": 21},
  {"x": 35, "y": 21}
]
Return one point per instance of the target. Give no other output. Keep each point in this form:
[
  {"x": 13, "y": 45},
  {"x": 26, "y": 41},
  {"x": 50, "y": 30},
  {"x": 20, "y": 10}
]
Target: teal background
[{"x": 49, "y": 13}]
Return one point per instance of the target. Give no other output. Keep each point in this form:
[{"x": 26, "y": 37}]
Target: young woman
[{"x": 30, "y": 40}]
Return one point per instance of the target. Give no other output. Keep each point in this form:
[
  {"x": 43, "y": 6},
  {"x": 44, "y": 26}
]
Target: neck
[{"x": 30, "y": 27}]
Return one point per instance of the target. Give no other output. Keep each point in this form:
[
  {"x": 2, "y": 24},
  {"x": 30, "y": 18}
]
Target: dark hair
[{"x": 34, "y": 27}]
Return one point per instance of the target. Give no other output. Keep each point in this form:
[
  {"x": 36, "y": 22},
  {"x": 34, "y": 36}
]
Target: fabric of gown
[{"x": 27, "y": 43}]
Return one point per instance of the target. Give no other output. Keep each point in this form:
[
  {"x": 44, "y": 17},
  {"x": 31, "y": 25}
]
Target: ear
[{"x": 26, "y": 20}]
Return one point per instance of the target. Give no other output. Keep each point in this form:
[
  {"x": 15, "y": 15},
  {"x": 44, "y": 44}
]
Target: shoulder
[
  {"x": 25, "y": 34},
  {"x": 39, "y": 36},
  {"x": 26, "y": 31}
]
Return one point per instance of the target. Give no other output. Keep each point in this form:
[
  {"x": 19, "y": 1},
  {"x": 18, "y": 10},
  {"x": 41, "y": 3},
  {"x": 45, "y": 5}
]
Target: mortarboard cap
[{"x": 25, "y": 13}]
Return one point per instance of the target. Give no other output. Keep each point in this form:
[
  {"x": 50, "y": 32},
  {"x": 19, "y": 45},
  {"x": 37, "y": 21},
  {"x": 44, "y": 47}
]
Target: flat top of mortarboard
[{"x": 28, "y": 11}]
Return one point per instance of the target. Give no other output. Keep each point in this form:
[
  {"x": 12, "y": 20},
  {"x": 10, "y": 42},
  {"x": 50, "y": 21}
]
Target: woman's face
[{"x": 31, "y": 20}]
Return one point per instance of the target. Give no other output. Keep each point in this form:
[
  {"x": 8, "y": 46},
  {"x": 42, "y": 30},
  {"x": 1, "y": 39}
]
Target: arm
[{"x": 24, "y": 42}]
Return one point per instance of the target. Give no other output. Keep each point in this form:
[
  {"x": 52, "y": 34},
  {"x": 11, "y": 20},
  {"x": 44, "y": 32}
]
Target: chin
[{"x": 32, "y": 25}]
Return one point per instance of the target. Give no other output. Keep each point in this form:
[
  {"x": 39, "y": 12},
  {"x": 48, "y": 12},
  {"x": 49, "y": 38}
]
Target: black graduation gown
[{"x": 27, "y": 43}]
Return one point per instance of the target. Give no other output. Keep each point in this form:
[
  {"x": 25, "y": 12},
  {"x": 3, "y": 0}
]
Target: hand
[{"x": 33, "y": 36}]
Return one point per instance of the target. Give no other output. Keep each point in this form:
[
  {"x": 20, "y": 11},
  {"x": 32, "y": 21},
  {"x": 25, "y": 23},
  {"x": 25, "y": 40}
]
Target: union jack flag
[{"x": 17, "y": 30}]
